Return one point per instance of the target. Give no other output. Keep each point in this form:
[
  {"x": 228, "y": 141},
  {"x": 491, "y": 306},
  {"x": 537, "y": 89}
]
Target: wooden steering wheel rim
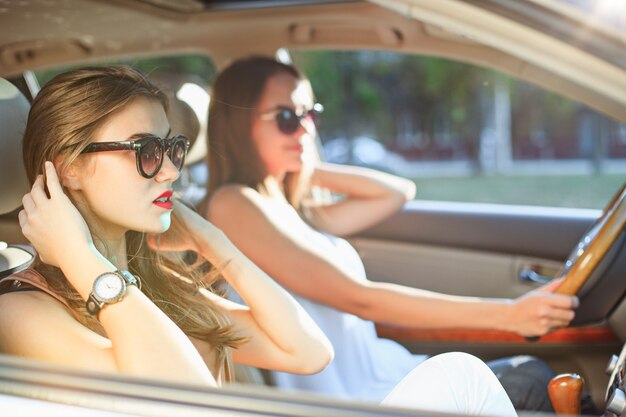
[{"x": 610, "y": 224}]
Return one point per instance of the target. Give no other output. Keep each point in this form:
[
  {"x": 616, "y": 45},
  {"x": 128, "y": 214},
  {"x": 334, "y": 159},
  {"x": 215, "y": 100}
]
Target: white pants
[{"x": 456, "y": 383}]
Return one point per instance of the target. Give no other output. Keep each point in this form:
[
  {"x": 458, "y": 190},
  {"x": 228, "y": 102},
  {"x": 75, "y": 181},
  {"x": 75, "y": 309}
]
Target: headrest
[
  {"x": 188, "y": 109},
  {"x": 13, "y": 182},
  {"x": 183, "y": 120},
  {"x": 13, "y": 115}
]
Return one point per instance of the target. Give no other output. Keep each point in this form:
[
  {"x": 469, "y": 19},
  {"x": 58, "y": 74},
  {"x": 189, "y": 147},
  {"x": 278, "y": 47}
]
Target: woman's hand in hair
[
  {"x": 52, "y": 223},
  {"x": 370, "y": 196},
  {"x": 178, "y": 237},
  {"x": 186, "y": 232}
]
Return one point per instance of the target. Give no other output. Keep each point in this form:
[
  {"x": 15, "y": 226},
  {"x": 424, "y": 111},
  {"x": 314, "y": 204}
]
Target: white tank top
[{"x": 365, "y": 367}]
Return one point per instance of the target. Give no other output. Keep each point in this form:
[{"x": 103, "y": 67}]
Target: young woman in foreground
[
  {"x": 261, "y": 134},
  {"x": 102, "y": 295}
]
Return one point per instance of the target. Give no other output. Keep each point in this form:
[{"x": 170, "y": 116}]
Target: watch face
[{"x": 108, "y": 287}]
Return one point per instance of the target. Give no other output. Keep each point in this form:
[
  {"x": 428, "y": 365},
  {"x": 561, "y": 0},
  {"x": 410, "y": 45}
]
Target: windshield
[{"x": 597, "y": 27}]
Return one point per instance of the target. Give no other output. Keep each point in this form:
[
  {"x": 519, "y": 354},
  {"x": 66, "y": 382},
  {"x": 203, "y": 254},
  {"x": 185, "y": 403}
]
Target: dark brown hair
[{"x": 232, "y": 155}]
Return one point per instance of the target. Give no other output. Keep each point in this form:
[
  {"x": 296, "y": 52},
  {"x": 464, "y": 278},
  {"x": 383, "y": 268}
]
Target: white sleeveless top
[{"x": 365, "y": 367}]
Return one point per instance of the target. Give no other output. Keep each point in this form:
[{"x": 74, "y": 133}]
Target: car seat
[{"x": 14, "y": 109}]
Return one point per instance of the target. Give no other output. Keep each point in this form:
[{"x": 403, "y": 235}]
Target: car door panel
[
  {"x": 470, "y": 249},
  {"x": 448, "y": 270},
  {"x": 545, "y": 232},
  {"x": 480, "y": 249}
]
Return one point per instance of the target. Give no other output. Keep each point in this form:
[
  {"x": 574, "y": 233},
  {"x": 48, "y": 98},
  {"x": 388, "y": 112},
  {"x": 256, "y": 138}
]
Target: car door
[{"x": 492, "y": 218}]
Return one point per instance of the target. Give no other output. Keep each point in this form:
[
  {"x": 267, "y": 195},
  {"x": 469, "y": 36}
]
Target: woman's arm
[
  {"x": 281, "y": 334},
  {"x": 143, "y": 340},
  {"x": 286, "y": 248},
  {"x": 369, "y": 197}
]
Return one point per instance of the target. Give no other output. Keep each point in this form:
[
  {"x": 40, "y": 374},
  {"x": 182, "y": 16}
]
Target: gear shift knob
[{"x": 565, "y": 391}]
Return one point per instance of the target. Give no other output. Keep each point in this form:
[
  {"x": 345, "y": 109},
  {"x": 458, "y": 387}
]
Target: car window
[
  {"x": 463, "y": 132},
  {"x": 195, "y": 67}
]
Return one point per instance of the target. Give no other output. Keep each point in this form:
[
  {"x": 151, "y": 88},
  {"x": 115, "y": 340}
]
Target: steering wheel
[
  {"x": 590, "y": 251},
  {"x": 594, "y": 245}
]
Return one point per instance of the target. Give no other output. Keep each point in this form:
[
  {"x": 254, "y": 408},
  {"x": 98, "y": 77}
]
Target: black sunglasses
[
  {"x": 288, "y": 120},
  {"x": 149, "y": 151}
]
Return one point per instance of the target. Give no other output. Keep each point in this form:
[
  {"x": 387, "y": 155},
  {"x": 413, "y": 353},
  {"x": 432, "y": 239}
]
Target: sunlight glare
[
  {"x": 612, "y": 9},
  {"x": 198, "y": 99},
  {"x": 166, "y": 220}
]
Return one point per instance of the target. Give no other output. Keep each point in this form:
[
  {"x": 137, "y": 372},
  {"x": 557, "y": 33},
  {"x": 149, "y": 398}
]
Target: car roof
[{"x": 582, "y": 61}]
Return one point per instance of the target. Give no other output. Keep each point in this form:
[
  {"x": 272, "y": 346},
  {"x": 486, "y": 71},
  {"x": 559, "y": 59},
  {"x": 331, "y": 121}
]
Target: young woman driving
[
  {"x": 262, "y": 174},
  {"x": 109, "y": 290}
]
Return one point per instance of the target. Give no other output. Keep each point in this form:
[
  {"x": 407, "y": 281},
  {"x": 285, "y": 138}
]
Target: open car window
[{"x": 462, "y": 132}]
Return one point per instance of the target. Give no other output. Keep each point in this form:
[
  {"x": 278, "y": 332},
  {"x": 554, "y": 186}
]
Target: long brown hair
[
  {"x": 62, "y": 121},
  {"x": 232, "y": 155}
]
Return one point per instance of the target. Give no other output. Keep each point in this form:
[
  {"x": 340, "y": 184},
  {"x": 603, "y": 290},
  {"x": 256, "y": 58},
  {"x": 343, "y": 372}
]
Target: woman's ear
[{"x": 70, "y": 177}]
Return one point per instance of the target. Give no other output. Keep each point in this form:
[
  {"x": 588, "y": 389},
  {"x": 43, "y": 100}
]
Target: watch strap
[
  {"x": 130, "y": 278},
  {"x": 93, "y": 305}
]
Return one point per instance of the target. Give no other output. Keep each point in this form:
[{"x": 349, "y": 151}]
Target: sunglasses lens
[
  {"x": 151, "y": 156},
  {"x": 177, "y": 153},
  {"x": 288, "y": 121}
]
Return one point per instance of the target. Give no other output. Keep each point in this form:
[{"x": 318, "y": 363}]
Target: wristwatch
[{"x": 109, "y": 288}]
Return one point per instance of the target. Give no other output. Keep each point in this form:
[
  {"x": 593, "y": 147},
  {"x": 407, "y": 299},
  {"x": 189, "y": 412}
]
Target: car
[{"x": 470, "y": 244}]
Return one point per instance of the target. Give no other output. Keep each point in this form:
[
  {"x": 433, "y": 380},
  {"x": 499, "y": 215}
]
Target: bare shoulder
[
  {"x": 26, "y": 308},
  {"x": 17, "y": 302},
  {"x": 233, "y": 201},
  {"x": 27, "y": 313},
  {"x": 35, "y": 325},
  {"x": 233, "y": 193}
]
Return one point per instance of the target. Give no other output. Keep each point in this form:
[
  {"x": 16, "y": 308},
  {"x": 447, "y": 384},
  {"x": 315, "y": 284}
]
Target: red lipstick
[{"x": 164, "y": 200}]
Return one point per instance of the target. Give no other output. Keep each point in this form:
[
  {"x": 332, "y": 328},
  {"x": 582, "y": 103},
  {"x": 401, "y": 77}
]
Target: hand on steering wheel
[
  {"x": 540, "y": 311},
  {"x": 592, "y": 248},
  {"x": 594, "y": 245}
]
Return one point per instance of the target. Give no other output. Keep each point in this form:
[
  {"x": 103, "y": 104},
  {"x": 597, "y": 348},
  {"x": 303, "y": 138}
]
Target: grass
[{"x": 581, "y": 191}]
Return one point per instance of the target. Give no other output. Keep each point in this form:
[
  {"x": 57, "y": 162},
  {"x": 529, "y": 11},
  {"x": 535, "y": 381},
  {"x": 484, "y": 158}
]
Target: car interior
[
  {"x": 14, "y": 254},
  {"x": 458, "y": 248}
]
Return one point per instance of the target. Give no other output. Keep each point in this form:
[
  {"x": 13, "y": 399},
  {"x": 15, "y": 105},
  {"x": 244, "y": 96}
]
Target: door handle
[{"x": 529, "y": 275}]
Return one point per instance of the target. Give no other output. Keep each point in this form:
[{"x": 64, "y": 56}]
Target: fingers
[
  {"x": 543, "y": 312},
  {"x": 553, "y": 324},
  {"x": 552, "y": 285},
  {"x": 28, "y": 203},
  {"x": 563, "y": 301},
  {"x": 22, "y": 218},
  {"x": 556, "y": 300},
  {"x": 556, "y": 311},
  {"x": 37, "y": 192},
  {"x": 548, "y": 322},
  {"x": 559, "y": 315},
  {"x": 53, "y": 183},
  {"x": 26, "y": 215}
]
